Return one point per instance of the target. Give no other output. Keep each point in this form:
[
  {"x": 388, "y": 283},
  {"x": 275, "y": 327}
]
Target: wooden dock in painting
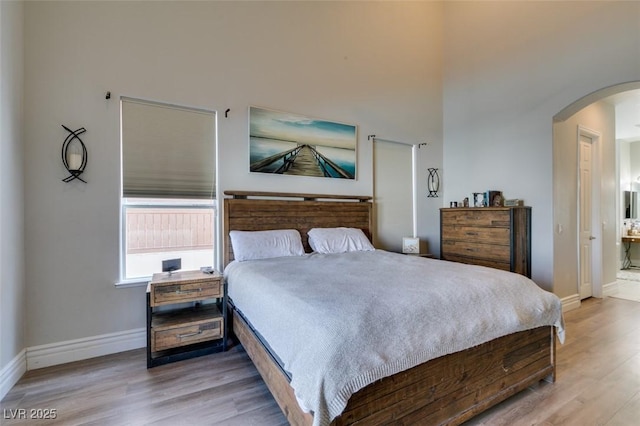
[
  {"x": 304, "y": 160},
  {"x": 304, "y": 164}
]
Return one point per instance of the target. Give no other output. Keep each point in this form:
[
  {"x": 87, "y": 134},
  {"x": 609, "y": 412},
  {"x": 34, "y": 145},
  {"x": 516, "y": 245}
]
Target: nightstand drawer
[
  {"x": 185, "y": 327},
  {"x": 185, "y": 292}
]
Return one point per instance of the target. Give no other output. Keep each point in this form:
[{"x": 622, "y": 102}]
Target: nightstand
[{"x": 186, "y": 316}]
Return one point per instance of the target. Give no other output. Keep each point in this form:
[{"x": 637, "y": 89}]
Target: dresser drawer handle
[
  {"x": 197, "y": 290},
  {"x": 182, "y": 336},
  {"x": 472, "y": 233}
]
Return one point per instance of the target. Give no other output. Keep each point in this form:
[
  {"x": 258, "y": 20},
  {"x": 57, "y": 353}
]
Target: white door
[{"x": 585, "y": 237}]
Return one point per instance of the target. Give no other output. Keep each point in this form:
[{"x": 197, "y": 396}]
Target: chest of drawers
[{"x": 498, "y": 237}]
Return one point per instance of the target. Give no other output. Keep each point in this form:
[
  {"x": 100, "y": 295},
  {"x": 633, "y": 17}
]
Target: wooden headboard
[{"x": 261, "y": 211}]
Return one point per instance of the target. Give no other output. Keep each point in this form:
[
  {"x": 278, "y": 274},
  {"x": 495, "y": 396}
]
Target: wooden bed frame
[{"x": 447, "y": 390}]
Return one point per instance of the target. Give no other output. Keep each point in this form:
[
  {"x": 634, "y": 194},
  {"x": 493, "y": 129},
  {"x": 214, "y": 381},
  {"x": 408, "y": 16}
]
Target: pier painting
[{"x": 291, "y": 144}]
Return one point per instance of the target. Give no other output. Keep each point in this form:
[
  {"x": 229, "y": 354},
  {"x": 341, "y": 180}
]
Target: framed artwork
[
  {"x": 410, "y": 245},
  {"x": 292, "y": 144}
]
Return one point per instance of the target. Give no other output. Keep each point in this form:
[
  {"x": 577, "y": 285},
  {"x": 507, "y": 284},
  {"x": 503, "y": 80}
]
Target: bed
[{"x": 448, "y": 385}]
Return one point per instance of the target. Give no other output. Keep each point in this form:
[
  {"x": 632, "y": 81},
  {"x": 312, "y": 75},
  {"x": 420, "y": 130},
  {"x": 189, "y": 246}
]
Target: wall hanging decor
[
  {"x": 291, "y": 144},
  {"x": 74, "y": 154},
  {"x": 433, "y": 182}
]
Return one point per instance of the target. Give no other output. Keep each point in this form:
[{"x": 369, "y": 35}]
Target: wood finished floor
[{"x": 598, "y": 383}]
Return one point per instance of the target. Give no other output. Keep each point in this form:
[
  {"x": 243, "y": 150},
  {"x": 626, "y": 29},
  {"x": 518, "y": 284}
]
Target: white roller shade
[
  {"x": 167, "y": 151},
  {"x": 393, "y": 191}
]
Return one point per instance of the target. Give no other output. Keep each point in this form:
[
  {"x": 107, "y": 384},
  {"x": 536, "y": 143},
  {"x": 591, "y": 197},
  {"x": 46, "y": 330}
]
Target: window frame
[{"x": 126, "y": 203}]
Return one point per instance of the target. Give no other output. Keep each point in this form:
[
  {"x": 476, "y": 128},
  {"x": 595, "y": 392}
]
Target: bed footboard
[{"x": 448, "y": 390}]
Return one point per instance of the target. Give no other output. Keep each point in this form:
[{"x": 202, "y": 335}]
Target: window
[{"x": 168, "y": 187}]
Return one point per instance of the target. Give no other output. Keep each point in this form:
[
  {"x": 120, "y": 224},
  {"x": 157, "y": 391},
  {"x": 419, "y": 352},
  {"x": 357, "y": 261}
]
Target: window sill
[{"x": 137, "y": 282}]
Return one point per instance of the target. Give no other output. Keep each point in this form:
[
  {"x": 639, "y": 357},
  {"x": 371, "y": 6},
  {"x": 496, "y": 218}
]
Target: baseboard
[
  {"x": 11, "y": 373},
  {"x": 610, "y": 289},
  {"x": 89, "y": 347},
  {"x": 570, "y": 303}
]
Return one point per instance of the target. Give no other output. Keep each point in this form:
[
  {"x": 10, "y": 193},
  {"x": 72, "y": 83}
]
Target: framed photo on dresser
[{"x": 478, "y": 199}]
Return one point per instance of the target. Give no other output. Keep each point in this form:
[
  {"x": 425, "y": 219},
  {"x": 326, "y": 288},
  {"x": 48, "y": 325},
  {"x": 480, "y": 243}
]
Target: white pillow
[
  {"x": 338, "y": 240},
  {"x": 251, "y": 245}
]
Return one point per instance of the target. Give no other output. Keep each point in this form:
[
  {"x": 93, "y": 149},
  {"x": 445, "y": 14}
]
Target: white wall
[
  {"x": 509, "y": 68},
  {"x": 377, "y": 65},
  {"x": 12, "y": 284}
]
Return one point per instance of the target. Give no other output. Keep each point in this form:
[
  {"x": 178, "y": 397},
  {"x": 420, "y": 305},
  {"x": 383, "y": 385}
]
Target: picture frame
[
  {"x": 478, "y": 199},
  {"x": 493, "y": 199},
  {"x": 293, "y": 144},
  {"x": 410, "y": 245}
]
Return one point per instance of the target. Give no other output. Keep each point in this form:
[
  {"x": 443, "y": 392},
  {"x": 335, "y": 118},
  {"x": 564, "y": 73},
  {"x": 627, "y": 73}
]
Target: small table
[
  {"x": 627, "y": 241},
  {"x": 186, "y": 327}
]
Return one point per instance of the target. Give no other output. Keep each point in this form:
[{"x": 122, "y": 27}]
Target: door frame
[{"x": 596, "y": 227}]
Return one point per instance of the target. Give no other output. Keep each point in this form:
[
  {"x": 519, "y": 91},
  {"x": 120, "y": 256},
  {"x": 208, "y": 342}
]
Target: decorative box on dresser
[
  {"x": 498, "y": 237},
  {"x": 186, "y": 316}
]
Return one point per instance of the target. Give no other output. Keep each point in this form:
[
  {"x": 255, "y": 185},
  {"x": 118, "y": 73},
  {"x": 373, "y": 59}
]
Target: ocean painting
[{"x": 291, "y": 144}]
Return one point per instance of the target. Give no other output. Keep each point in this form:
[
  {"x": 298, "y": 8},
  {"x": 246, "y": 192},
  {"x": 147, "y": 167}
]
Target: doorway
[
  {"x": 628, "y": 145},
  {"x": 592, "y": 117}
]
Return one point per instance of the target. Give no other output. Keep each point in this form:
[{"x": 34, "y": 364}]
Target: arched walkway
[{"x": 595, "y": 114}]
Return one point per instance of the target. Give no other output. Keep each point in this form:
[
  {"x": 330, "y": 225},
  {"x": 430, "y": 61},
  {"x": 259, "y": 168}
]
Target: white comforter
[{"x": 339, "y": 322}]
